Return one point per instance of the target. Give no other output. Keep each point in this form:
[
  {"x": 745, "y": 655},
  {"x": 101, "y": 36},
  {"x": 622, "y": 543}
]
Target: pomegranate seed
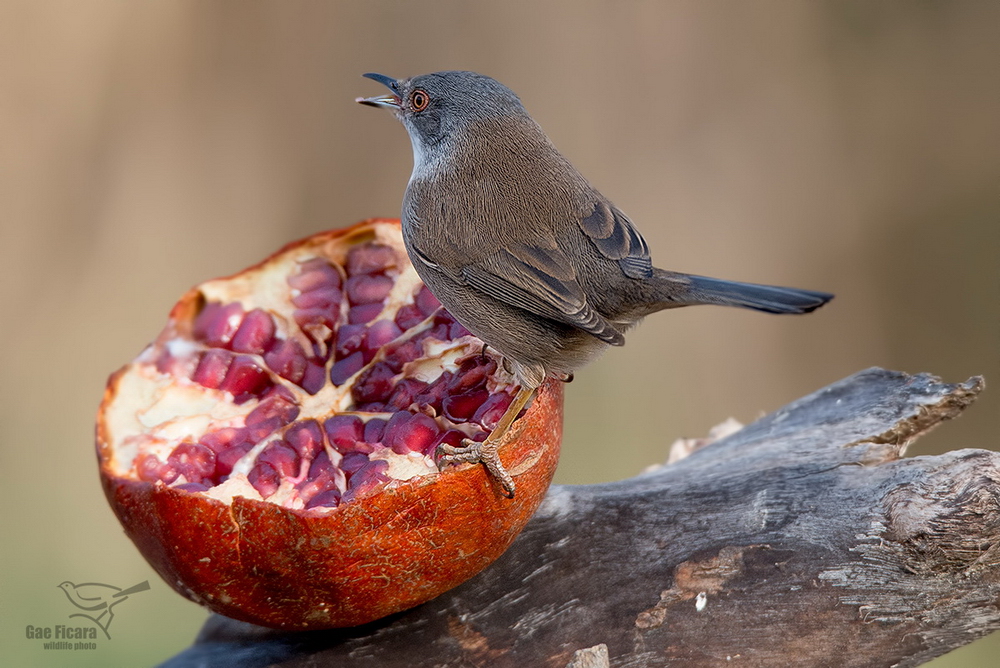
[
  {"x": 451, "y": 437},
  {"x": 149, "y": 468},
  {"x": 275, "y": 406},
  {"x": 347, "y": 367},
  {"x": 399, "y": 354},
  {"x": 315, "y": 273},
  {"x": 226, "y": 460},
  {"x": 216, "y": 324},
  {"x": 370, "y": 258},
  {"x": 314, "y": 378},
  {"x": 282, "y": 458},
  {"x": 244, "y": 377},
  {"x": 374, "y": 384},
  {"x": 344, "y": 432},
  {"x": 320, "y": 467},
  {"x": 212, "y": 368},
  {"x": 193, "y": 487},
  {"x": 316, "y": 320},
  {"x": 306, "y": 438},
  {"x": 352, "y": 462},
  {"x": 433, "y": 396},
  {"x": 330, "y": 498},
  {"x": 264, "y": 479},
  {"x": 223, "y": 439},
  {"x": 287, "y": 359},
  {"x": 379, "y": 334},
  {"x": 405, "y": 393},
  {"x": 461, "y": 407},
  {"x": 492, "y": 410},
  {"x": 427, "y": 302},
  {"x": 472, "y": 374},
  {"x": 325, "y": 299},
  {"x": 193, "y": 461},
  {"x": 365, "y": 479},
  {"x": 349, "y": 339},
  {"x": 407, "y": 432},
  {"x": 255, "y": 333},
  {"x": 409, "y": 315},
  {"x": 374, "y": 429},
  {"x": 364, "y": 313},
  {"x": 368, "y": 288}
]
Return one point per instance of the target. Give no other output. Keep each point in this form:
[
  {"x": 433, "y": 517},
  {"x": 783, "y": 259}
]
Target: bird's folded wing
[
  {"x": 616, "y": 238},
  {"x": 541, "y": 281}
]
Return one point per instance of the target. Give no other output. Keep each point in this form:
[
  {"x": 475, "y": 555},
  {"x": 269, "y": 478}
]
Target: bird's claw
[{"x": 476, "y": 452}]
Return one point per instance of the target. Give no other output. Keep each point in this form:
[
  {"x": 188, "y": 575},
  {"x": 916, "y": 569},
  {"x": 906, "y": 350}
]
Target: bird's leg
[{"x": 487, "y": 452}]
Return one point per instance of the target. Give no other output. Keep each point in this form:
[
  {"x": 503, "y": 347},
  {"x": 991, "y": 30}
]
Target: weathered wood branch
[{"x": 802, "y": 539}]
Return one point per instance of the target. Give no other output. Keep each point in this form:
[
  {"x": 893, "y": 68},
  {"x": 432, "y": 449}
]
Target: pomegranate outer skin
[{"x": 261, "y": 563}]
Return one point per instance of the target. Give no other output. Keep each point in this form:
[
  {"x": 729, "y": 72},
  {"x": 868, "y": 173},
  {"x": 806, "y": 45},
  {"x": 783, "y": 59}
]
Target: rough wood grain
[{"x": 802, "y": 539}]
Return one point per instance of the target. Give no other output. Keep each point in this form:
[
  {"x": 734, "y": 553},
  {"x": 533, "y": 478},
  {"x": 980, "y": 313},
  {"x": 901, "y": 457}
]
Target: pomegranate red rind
[{"x": 255, "y": 503}]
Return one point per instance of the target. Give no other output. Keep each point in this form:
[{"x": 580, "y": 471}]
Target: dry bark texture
[{"x": 802, "y": 539}]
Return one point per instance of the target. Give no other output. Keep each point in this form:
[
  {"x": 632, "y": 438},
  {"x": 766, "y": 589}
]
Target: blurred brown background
[{"x": 844, "y": 146}]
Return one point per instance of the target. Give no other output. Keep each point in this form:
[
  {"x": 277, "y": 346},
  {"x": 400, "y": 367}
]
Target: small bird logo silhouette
[{"x": 100, "y": 599}]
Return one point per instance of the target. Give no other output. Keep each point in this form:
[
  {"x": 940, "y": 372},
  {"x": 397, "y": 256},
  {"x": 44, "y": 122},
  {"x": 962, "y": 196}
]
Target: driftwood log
[{"x": 802, "y": 539}]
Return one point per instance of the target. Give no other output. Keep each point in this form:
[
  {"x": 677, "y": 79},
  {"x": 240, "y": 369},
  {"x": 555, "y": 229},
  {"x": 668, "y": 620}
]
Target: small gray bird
[{"x": 522, "y": 250}]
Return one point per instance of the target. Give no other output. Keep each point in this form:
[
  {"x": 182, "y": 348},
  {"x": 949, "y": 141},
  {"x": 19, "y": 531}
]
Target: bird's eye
[{"x": 419, "y": 100}]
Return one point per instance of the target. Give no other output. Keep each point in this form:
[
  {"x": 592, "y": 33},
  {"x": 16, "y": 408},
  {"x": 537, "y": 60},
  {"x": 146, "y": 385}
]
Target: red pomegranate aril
[
  {"x": 287, "y": 359},
  {"x": 317, "y": 322},
  {"x": 370, "y": 258},
  {"x": 349, "y": 339},
  {"x": 405, "y": 393},
  {"x": 492, "y": 410},
  {"x": 426, "y": 301},
  {"x": 434, "y": 394},
  {"x": 193, "y": 461},
  {"x": 324, "y": 299},
  {"x": 314, "y": 378},
  {"x": 264, "y": 479},
  {"x": 402, "y": 353},
  {"x": 244, "y": 377},
  {"x": 255, "y": 333},
  {"x": 344, "y": 431},
  {"x": 452, "y": 437},
  {"x": 353, "y": 462},
  {"x": 306, "y": 438},
  {"x": 193, "y": 487},
  {"x": 217, "y": 324},
  {"x": 329, "y": 498},
  {"x": 408, "y": 316},
  {"x": 374, "y": 384},
  {"x": 374, "y": 428},
  {"x": 222, "y": 439},
  {"x": 149, "y": 468},
  {"x": 363, "y": 313},
  {"x": 366, "y": 479},
  {"x": 315, "y": 274},
  {"x": 379, "y": 334},
  {"x": 276, "y": 408},
  {"x": 461, "y": 407},
  {"x": 226, "y": 459},
  {"x": 368, "y": 289},
  {"x": 282, "y": 458},
  {"x": 347, "y": 367},
  {"x": 472, "y": 374},
  {"x": 407, "y": 432},
  {"x": 212, "y": 368},
  {"x": 321, "y": 468}
]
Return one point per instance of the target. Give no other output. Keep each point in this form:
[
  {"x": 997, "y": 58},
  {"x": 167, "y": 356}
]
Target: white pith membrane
[{"x": 210, "y": 382}]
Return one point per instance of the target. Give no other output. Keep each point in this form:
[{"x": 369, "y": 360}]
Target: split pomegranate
[{"x": 271, "y": 453}]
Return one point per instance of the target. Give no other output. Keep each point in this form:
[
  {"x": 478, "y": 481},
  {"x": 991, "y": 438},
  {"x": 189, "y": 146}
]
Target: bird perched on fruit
[{"x": 522, "y": 250}]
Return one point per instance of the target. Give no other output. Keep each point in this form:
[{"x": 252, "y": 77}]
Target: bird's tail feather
[{"x": 687, "y": 290}]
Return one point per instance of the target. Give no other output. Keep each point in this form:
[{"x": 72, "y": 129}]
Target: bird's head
[{"x": 440, "y": 108}]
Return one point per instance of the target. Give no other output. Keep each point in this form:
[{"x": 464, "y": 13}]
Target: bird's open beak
[{"x": 390, "y": 101}]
